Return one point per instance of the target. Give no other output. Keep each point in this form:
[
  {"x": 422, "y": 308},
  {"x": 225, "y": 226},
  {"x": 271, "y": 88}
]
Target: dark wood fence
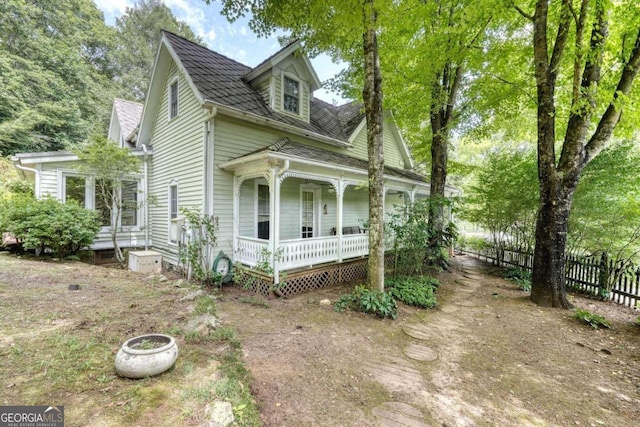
[{"x": 594, "y": 275}]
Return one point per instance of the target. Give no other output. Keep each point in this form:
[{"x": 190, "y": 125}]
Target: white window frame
[
  {"x": 170, "y": 100},
  {"x": 90, "y": 196},
  {"x": 256, "y": 203},
  {"x": 286, "y": 76},
  {"x": 173, "y": 223},
  {"x": 87, "y": 188}
]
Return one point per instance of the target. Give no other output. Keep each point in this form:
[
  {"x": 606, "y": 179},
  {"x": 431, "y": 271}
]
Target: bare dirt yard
[{"x": 486, "y": 356}]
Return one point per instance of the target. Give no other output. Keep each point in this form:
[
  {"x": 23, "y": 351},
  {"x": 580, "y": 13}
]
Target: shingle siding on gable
[{"x": 178, "y": 155}]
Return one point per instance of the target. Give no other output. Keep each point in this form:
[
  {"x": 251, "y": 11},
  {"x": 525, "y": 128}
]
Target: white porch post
[
  {"x": 412, "y": 195},
  {"x": 236, "y": 215},
  {"x": 274, "y": 220},
  {"x": 340, "y": 187}
]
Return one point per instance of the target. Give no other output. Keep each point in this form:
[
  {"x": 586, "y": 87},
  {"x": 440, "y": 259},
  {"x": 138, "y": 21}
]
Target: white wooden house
[{"x": 284, "y": 172}]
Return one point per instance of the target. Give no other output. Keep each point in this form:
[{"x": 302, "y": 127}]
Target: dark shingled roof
[
  {"x": 220, "y": 80},
  {"x": 129, "y": 114},
  {"x": 291, "y": 148}
]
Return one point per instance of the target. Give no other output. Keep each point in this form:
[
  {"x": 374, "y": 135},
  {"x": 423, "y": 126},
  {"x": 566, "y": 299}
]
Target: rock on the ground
[
  {"x": 192, "y": 296},
  {"x": 325, "y": 302},
  {"x": 202, "y": 325},
  {"x": 219, "y": 414}
]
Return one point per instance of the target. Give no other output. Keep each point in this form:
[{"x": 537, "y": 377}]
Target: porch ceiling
[{"x": 295, "y": 152}]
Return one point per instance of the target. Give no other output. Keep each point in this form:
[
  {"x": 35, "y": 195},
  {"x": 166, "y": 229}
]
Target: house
[
  {"x": 56, "y": 174},
  {"x": 285, "y": 173}
]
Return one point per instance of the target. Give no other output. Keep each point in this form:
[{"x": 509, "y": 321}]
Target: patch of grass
[
  {"x": 417, "y": 291},
  {"x": 205, "y": 305},
  {"x": 593, "y": 320},
  {"x": 234, "y": 385},
  {"x": 365, "y": 300},
  {"x": 255, "y": 301}
]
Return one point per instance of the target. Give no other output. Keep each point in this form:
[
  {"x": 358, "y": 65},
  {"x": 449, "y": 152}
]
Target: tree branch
[
  {"x": 611, "y": 116},
  {"x": 522, "y": 12}
]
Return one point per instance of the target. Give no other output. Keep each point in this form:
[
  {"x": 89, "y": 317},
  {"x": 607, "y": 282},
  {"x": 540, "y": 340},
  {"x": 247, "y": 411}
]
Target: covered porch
[{"x": 299, "y": 208}]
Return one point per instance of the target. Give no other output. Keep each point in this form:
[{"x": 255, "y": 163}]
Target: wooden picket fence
[{"x": 596, "y": 275}]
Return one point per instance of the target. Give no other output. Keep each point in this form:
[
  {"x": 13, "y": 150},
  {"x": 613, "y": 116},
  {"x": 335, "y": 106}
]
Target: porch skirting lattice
[{"x": 299, "y": 281}]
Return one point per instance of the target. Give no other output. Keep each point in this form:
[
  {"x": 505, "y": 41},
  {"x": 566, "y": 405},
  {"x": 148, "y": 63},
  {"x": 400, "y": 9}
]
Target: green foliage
[
  {"x": 522, "y": 278},
  {"x": 205, "y": 305},
  {"x": 196, "y": 254},
  {"x": 418, "y": 291},
  {"x": 47, "y": 223},
  {"x": 593, "y": 320},
  {"x": 503, "y": 196},
  {"x": 365, "y": 300},
  {"x": 412, "y": 234},
  {"x": 110, "y": 167},
  {"x": 138, "y": 38},
  {"x": 55, "y": 74},
  {"x": 606, "y": 209}
]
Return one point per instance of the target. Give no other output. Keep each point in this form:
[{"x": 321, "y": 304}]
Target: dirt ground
[{"x": 486, "y": 356}]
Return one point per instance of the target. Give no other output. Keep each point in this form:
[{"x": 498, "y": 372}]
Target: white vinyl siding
[
  {"x": 392, "y": 156},
  {"x": 178, "y": 150}
]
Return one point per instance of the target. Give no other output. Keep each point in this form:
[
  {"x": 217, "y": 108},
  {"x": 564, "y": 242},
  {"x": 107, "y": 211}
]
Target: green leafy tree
[
  {"x": 502, "y": 197},
  {"x": 340, "y": 28},
  {"x": 605, "y": 217},
  {"x": 110, "y": 167},
  {"x": 586, "y": 56},
  {"x": 138, "y": 38},
  {"x": 54, "y": 73}
]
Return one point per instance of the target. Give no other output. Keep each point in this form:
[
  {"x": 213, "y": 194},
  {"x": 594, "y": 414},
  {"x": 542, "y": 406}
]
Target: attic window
[
  {"x": 291, "y": 101},
  {"x": 173, "y": 99}
]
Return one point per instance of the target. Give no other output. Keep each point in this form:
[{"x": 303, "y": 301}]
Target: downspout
[
  {"x": 36, "y": 173},
  {"x": 146, "y": 195}
]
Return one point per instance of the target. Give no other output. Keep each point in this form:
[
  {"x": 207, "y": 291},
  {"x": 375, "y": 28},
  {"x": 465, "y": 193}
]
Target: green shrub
[
  {"x": 417, "y": 291},
  {"x": 522, "y": 278},
  {"x": 47, "y": 223},
  {"x": 365, "y": 300},
  {"x": 591, "y": 319}
]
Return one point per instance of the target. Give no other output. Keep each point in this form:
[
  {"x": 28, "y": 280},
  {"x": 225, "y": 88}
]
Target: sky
[{"x": 235, "y": 40}]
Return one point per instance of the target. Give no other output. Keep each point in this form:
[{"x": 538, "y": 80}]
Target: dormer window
[{"x": 291, "y": 99}]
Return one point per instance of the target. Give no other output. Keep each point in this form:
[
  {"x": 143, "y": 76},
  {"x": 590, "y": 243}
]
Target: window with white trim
[
  {"x": 262, "y": 196},
  {"x": 173, "y": 99},
  {"x": 308, "y": 217},
  {"x": 75, "y": 188},
  {"x": 103, "y": 199},
  {"x": 175, "y": 222},
  {"x": 129, "y": 198},
  {"x": 291, "y": 95}
]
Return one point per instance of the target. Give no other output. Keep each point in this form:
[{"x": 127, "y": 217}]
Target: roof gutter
[
  {"x": 23, "y": 169},
  {"x": 254, "y": 118}
]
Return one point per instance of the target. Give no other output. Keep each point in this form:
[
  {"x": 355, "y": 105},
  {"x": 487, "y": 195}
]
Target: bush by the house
[
  {"x": 64, "y": 228},
  {"x": 365, "y": 300},
  {"x": 418, "y": 291}
]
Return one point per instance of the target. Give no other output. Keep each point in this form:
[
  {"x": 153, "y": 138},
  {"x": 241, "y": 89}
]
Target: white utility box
[{"x": 145, "y": 261}]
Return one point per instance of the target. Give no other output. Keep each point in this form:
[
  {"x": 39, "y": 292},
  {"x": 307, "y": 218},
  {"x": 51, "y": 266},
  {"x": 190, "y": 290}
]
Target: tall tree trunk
[
  {"x": 372, "y": 94},
  {"x": 558, "y": 181}
]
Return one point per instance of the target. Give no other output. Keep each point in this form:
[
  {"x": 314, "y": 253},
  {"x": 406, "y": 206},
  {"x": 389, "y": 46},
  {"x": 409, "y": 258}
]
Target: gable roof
[
  {"x": 290, "y": 49},
  {"x": 128, "y": 114},
  {"x": 221, "y": 81}
]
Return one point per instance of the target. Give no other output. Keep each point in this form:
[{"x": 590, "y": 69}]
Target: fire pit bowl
[{"x": 146, "y": 356}]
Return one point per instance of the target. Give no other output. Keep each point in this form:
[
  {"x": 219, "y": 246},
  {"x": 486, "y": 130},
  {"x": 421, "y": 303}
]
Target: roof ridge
[{"x": 206, "y": 48}]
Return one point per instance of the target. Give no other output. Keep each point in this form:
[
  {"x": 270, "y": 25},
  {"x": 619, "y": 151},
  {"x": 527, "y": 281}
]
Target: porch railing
[{"x": 304, "y": 252}]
